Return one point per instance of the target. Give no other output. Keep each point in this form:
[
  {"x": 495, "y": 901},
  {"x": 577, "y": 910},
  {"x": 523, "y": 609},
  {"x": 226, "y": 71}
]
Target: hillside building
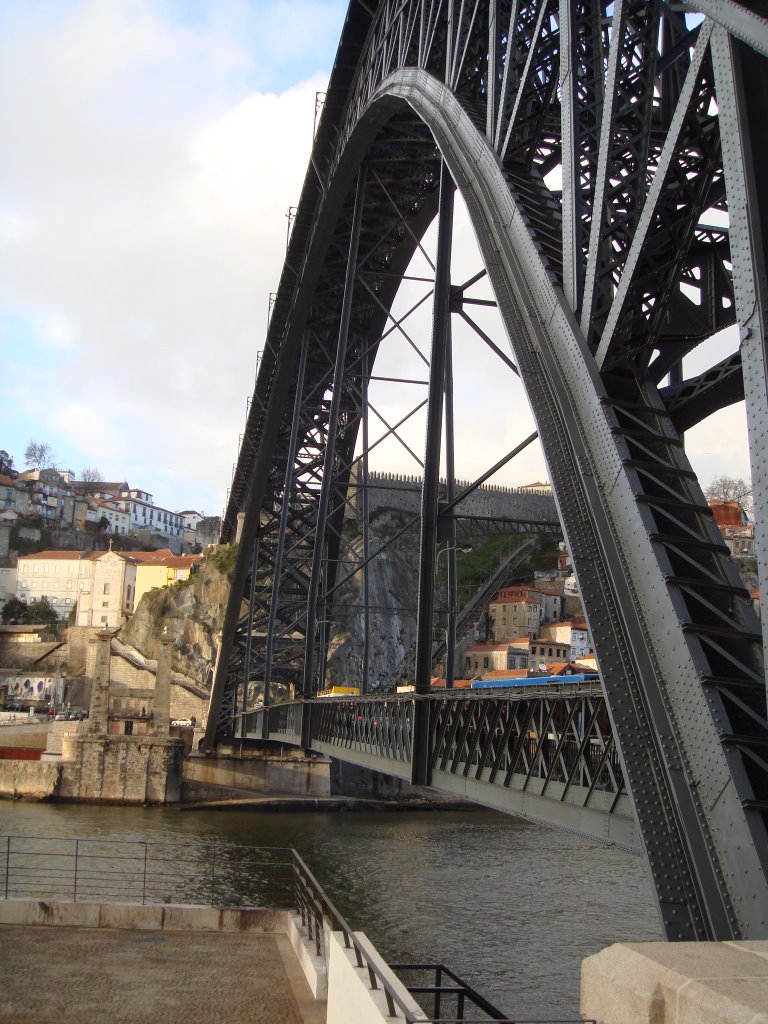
[
  {"x": 514, "y": 612},
  {"x": 104, "y": 586}
]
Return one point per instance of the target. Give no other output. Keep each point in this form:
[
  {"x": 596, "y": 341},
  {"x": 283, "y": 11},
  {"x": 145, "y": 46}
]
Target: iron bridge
[
  {"x": 611, "y": 156},
  {"x": 548, "y": 755}
]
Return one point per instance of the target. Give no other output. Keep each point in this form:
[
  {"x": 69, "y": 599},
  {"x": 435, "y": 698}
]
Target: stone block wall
[
  {"x": 299, "y": 776},
  {"x": 29, "y": 780},
  {"x": 123, "y": 672},
  {"x": 393, "y": 491},
  {"x": 78, "y": 638},
  {"x": 121, "y": 769}
]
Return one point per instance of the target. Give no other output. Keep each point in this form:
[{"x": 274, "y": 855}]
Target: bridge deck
[{"x": 546, "y": 755}]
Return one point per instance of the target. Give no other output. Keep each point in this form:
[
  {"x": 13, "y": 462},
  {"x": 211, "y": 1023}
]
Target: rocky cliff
[{"x": 191, "y": 612}]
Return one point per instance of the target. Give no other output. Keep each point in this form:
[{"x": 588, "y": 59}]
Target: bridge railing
[{"x": 556, "y": 735}]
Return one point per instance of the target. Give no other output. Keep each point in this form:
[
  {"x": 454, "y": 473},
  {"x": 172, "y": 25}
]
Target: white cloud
[
  {"x": 144, "y": 192},
  {"x": 148, "y": 164}
]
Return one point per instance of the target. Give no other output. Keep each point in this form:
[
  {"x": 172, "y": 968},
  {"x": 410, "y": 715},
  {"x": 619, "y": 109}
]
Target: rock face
[
  {"x": 392, "y": 593},
  {"x": 191, "y": 612}
]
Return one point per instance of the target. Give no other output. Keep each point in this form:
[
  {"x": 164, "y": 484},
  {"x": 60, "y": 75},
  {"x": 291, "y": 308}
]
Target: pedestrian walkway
[{"x": 79, "y": 975}]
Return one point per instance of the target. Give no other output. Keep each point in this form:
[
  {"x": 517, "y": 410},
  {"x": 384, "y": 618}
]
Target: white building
[
  {"x": 7, "y": 585},
  {"x": 59, "y": 576},
  {"x": 109, "y": 599},
  {"x": 119, "y": 520},
  {"x": 144, "y": 515}
]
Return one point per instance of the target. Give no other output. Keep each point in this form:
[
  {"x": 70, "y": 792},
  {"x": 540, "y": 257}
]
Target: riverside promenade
[
  {"x": 95, "y": 929},
  {"x": 135, "y": 964}
]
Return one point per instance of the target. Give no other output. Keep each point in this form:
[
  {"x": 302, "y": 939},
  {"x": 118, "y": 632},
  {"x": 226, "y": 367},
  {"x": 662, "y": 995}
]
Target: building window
[{"x": 106, "y": 588}]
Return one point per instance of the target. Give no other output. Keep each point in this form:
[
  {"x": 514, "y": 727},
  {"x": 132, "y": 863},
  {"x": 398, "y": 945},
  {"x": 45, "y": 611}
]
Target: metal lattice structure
[
  {"x": 548, "y": 754},
  {"x": 609, "y": 155}
]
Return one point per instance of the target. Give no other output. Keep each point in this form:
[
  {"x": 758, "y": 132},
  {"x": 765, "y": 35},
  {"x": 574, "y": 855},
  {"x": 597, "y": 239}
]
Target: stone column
[
  {"x": 98, "y": 716},
  {"x": 161, "y": 704}
]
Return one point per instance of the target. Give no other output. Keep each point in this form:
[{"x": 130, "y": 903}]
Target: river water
[{"x": 511, "y": 907}]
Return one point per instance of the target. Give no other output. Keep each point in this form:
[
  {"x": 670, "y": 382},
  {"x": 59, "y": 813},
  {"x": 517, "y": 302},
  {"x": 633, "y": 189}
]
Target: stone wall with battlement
[{"x": 396, "y": 491}]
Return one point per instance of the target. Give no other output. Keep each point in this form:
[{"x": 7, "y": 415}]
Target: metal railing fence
[
  {"x": 224, "y": 875},
  {"x": 143, "y": 871}
]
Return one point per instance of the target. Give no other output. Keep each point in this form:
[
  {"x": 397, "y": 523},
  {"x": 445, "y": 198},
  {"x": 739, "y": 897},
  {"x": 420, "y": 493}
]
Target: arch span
[{"x": 589, "y": 281}]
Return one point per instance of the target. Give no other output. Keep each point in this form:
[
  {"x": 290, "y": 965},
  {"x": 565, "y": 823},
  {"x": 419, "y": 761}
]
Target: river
[{"x": 511, "y": 907}]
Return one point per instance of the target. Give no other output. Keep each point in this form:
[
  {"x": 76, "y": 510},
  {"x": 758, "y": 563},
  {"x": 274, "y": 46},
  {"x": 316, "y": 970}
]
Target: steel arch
[{"x": 652, "y": 120}]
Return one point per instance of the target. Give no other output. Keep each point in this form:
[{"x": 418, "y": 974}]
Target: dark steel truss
[
  {"x": 549, "y": 754},
  {"x": 610, "y": 156}
]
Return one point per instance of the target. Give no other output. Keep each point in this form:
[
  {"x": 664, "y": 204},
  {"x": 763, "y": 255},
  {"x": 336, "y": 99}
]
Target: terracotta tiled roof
[
  {"x": 50, "y": 556},
  {"x": 485, "y": 648}
]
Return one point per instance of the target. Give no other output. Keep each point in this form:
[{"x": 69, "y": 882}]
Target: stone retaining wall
[
  {"x": 393, "y": 491},
  {"x": 121, "y": 769},
  {"x": 29, "y": 780},
  {"x": 206, "y": 777}
]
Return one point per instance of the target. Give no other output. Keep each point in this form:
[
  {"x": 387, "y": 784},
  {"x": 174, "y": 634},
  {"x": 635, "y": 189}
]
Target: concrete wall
[
  {"x": 121, "y": 769},
  {"x": 155, "y": 917},
  {"x": 353, "y": 780},
  {"x": 29, "y": 780},
  {"x": 290, "y": 776},
  {"x": 350, "y": 996},
  {"x": 24, "y": 733},
  {"x": 677, "y": 983}
]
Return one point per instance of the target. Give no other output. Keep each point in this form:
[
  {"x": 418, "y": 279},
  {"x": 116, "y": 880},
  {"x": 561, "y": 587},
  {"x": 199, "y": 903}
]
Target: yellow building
[{"x": 158, "y": 569}]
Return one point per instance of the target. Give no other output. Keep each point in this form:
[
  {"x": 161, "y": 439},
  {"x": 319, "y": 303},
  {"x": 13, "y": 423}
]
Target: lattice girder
[{"x": 591, "y": 280}]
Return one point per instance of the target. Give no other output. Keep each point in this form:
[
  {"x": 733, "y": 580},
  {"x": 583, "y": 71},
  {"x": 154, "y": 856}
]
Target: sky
[{"x": 151, "y": 149}]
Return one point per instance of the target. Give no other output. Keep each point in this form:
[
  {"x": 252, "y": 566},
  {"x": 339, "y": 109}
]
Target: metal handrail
[
  {"x": 318, "y": 908},
  {"x": 146, "y": 872}
]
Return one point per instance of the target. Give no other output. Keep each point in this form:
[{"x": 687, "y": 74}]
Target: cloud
[
  {"x": 144, "y": 187},
  {"x": 151, "y": 149}
]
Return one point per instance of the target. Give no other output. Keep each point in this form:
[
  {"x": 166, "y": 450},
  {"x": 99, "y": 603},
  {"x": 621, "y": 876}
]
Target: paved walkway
[{"x": 62, "y": 975}]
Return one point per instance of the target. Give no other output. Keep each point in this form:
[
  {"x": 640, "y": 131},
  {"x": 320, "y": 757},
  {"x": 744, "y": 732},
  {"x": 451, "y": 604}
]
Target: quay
[
  {"x": 95, "y": 928},
  {"x": 129, "y": 963}
]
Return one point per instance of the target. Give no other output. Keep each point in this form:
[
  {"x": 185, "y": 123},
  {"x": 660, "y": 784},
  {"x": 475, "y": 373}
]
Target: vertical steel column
[
  {"x": 280, "y": 553},
  {"x": 330, "y": 444},
  {"x": 420, "y": 764},
  {"x": 450, "y": 472},
  {"x": 364, "y": 511},
  {"x": 249, "y": 634}
]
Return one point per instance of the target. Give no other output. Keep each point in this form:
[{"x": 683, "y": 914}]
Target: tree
[
  {"x": 15, "y": 611},
  {"x": 38, "y": 455},
  {"x": 41, "y": 610},
  {"x": 6, "y": 464},
  {"x": 729, "y": 488},
  {"x": 91, "y": 476}
]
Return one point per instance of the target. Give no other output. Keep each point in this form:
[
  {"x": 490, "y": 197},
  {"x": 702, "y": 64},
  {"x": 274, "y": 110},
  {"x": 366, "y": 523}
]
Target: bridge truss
[{"x": 609, "y": 156}]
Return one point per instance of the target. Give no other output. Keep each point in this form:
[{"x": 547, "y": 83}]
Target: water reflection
[{"x": 511, "y": 907}]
